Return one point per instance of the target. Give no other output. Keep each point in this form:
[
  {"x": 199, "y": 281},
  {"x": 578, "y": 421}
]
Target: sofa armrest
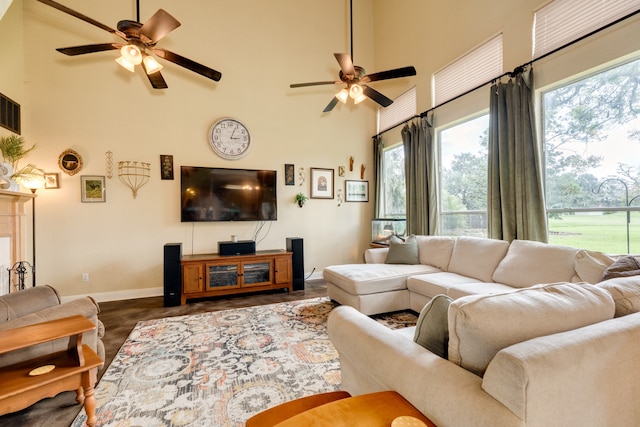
[
  {"x": 375, "y": 255},
  {"x": 376, "y": 358},
  {"x": 86, "y": 307}
]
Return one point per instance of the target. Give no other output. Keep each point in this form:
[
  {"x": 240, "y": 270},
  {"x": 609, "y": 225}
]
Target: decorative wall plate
[{"x": 70, "y": 162}]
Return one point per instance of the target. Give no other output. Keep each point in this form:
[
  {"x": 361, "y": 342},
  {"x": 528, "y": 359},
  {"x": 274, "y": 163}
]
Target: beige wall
[{"x": 91, "y": 105}]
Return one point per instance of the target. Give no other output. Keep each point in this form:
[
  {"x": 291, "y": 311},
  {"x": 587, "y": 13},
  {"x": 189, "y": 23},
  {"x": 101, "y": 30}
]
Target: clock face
[{"x": 230, "y": 139}]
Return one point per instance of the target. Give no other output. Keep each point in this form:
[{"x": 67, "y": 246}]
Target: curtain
[
  {"x": 420, "y": 177},
  {"x": 516, "y": 208},
  {"x": 378, "y": 156}
]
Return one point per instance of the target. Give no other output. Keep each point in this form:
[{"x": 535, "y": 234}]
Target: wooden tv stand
[{"x": 207, "y": 275}]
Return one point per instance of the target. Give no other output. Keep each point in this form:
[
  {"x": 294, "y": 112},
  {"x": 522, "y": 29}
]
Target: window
[
  {"x": 463, "y": 182},
  {"x": 402, "y": 109},
  {"x": 592, "y": 155},
  {"x": 471, "y": 70},
  {"x": 563, "y": 21},
  {"x": 394, "y": 191}
]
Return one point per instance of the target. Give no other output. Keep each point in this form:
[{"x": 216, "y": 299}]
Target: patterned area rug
[{"x": 220, "y": 368}]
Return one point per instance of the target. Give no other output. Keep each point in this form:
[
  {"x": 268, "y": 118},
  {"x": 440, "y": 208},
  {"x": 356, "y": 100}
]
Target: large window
[
  {"x": 592, "y": 152},
  {"x": 394, "y": 191},
  {"x": 463, "y": 178}
]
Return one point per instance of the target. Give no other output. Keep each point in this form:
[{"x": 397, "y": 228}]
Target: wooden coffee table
[
  {"x": 74, "y": 369},
  {"x": 339, "y": 409}
]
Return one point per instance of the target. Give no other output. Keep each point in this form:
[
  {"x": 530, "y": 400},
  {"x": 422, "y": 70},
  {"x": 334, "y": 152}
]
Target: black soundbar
[{"x": 241, "y": 247}]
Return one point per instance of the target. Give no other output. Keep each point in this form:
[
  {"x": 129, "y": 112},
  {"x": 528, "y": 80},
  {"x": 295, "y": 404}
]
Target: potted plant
[
  {"x": 13, "y": 150},
  {"x": 300, "y": 199}
]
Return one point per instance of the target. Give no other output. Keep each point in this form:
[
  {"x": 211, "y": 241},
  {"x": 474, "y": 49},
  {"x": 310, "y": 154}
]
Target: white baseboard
[
  {"x": 144, "y": 293},
  {"x": 119, "y": 295}
]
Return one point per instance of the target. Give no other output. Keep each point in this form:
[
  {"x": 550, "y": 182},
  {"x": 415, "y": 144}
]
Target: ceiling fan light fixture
[
  {"x": 343, "y": 95},
  {"x": 151, "y": 65},
  {"x": 125, "y": 64},
  {"x": 132, "y": 54},
  {"x": 355, "y": 91},
  {"x": 358, "y": 99}
]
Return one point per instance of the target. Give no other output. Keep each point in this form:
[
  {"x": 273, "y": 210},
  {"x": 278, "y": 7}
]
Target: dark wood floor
[{"x": 119, "y": 318}]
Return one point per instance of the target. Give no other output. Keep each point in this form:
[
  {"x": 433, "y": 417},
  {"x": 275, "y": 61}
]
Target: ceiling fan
[
  {"x": 140, "y": 39},
  {"x": 356, "y": 78}
]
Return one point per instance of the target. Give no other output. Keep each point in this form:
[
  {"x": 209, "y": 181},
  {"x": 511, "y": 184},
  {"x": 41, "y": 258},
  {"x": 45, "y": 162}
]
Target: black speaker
[
  {"x": 241, "y": 247},
  {"x": 294, "y": 245},
  {"x": 172, "y": 274}
]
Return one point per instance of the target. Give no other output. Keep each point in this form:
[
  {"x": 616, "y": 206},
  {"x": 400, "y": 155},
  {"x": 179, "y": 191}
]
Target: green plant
[
  {"x": 300, "y": 199},
  {"x": 13, "y": 150}
]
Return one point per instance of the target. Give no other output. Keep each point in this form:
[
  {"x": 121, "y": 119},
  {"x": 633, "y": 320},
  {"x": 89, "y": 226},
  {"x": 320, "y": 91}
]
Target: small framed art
[
  {"x": 356, "y": 191},
  {"x": 92, "y": 189},
  {"x": 289, "y": 177},
  {"x": 51, "y": 180},
  {"x": 321, "y": 183},
  {"x": 166, "y": 166}
]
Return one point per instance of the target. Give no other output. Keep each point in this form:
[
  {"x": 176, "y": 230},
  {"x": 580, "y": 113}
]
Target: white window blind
[
  {"x": 402, "y": 109},
  {"x": 469, "y": 71},
  {"x": 563, "y": 21}
]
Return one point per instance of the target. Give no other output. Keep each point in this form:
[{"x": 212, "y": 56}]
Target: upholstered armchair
[{"x": 40, "y": 304}]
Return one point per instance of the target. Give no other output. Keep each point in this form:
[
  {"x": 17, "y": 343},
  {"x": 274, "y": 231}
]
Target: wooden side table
[
  {"x": 75, "y": 369},
  {"x": 335, "y": 410}
]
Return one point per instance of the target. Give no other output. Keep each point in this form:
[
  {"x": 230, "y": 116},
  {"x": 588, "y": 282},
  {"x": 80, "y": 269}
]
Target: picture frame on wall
[
  {"x": 289, "y": 174},
  {"x": 92, "y": 189},
  {"x": 321, "y": 182},
  {"x": 356, "y": 191},
  {"x": 51, "y": 180},
  {"x": 166, "y": 166}
]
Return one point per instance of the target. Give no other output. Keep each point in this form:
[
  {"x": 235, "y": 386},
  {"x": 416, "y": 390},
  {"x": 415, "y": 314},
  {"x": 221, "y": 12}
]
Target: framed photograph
[
  {"x": 166, "y": 166},
  {"x": 92, "y": 189},
  {"x": 289, "y": 177},
  {"x": 321, "y": 183},
  {"x": 51, "y": 180},
  {"x": 356, "y": 191}
]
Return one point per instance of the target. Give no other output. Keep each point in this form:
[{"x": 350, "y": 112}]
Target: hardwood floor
[{"x": 119, "y": 318}]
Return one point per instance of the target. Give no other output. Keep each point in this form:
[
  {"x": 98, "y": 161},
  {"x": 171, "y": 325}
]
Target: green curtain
[
  {"x": 420, "y": 177},
  {"x": 516, "y": 208},
  {"x": 378, "y": 155}
]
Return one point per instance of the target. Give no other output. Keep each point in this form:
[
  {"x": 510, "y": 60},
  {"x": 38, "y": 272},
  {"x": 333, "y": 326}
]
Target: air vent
[{"x": 9, "y": 114}]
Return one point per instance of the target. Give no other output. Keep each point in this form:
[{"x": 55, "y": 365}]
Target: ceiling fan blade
[
  {"x": 156, "y": 79},
  {"x": 346, "y": 64},
  {"x": 376, "y": 96},
  {"x": 78, "y": 15},
  {"x": 390, "y": 74},
  {"x": 187, "y": 63},
  {"x": 88, "y": 48},
  {"x": 330, "y": 106},
  {"x": 158, "y": 26},
  {"x": 295, "y": 85}
]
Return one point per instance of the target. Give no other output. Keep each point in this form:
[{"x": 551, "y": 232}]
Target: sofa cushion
[
  {"x": 30, "y": 300},
  {"x": 432, "y": 327},
  {"x": 477, "y": 257},
  {"x": 433, "y": 284},
  {"x": 625, "y": 292},
  {"x": 529, "y": 263},
  {"x": 622, "y": 267},
  {"x": 362, "y": 279},
  {"x": 590, "y": 265},
  {"x": 479, "y": 288},
  {"x": 435, "y": 250},
  {"x": 403, "y": 252},
  {"x": 482, "y": 325}
]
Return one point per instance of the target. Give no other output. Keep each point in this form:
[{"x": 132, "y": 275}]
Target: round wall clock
[{"x": 230, "y": 139}]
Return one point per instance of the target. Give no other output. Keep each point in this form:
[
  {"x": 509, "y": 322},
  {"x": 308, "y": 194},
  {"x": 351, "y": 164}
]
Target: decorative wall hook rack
[{"x": 134, "y": 175}]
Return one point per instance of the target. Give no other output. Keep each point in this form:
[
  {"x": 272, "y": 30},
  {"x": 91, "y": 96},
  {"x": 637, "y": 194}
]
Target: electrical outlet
[{"x": 85, "y": 277}]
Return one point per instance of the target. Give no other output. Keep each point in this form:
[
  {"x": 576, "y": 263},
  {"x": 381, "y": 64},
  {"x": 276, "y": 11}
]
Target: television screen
[{"x": 218, "y": 194}]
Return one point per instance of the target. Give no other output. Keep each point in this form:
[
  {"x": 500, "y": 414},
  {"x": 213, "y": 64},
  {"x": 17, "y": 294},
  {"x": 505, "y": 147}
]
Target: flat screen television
[{"x": 220, "y": 194}]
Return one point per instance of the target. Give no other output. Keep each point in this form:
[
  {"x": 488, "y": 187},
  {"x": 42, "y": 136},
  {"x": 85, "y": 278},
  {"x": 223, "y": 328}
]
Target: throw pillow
[
  {"x": 590, "y": 265},
  {"x": 623, "y": 267},
  {"x": 432, "y": 327},
  {"x": 403, "y": 252}
]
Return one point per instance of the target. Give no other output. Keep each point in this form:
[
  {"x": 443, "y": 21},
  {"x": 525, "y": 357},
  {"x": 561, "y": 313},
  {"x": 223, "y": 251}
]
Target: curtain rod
[{"x": 515, "y": 72}]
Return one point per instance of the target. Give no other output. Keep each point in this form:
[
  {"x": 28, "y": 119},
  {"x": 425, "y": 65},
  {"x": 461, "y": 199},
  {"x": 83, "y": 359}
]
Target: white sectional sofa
[
  {"x": 456, "y": 267},
  {"x": 523, "y": 350}
]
